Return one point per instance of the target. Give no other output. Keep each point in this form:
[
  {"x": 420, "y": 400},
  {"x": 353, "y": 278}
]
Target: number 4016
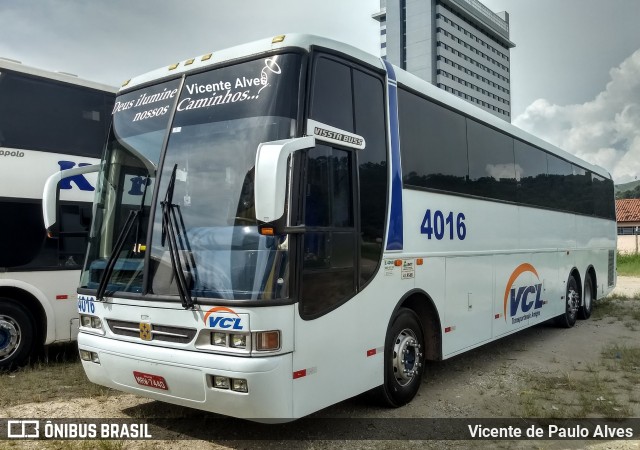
[{"x": 437, "y": 225}]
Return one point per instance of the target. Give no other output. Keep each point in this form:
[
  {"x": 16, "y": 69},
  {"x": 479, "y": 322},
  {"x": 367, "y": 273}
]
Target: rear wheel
[
  {"x": 572, "y": 304},
  {"x": 403, "y": 359},
  {"x": 587, "y": 299},
  {"x": 16, "y": 335}
]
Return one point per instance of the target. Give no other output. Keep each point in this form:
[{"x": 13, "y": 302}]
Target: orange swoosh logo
[
  {"x": 522, "y": 268},
  {"x": 216, "y": 309}
]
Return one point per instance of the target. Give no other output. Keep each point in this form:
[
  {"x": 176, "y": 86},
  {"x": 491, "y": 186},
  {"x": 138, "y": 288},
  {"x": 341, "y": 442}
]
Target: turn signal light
[
  {"x": 267, "y": 341},
  {"x": 267, "y": 231}
]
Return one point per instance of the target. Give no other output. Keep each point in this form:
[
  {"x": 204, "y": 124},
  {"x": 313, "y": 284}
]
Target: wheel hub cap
[
  {"x": 573, "y": 301},
  {"x": 9, "y": 337},
  {"x": 406, "y": 357}
]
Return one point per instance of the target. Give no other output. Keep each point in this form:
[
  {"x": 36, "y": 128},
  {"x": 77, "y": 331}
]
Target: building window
[{"x": 628, "y": 231}]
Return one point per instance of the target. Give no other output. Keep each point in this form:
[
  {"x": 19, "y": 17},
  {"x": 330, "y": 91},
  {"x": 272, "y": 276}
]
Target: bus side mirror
[
  {"x": 50, "y": 194},
  {"x": 271, "y": 176}
]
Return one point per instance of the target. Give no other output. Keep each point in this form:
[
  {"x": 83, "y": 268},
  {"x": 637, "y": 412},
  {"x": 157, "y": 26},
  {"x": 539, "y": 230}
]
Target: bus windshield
[{"x": 219, "y": 118}]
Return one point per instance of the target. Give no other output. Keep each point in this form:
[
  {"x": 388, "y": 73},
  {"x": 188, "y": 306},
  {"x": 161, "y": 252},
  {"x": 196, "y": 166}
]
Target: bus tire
[
  {"x": 571, "y": 304},
  {"x": 17, "y": 335},
  {"x": 587, "y": 299},
  {"x": 403, "y": 359}
]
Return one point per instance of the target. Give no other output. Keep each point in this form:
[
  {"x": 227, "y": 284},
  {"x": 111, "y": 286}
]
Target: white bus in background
[
  {"x": 49, "y": 122},
  {"x": 286, "y": 224}
]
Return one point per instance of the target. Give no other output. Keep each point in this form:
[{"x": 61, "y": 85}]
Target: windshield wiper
[
  {"x": 169, "y": 235},
  {"x": 117, "y": 248}
]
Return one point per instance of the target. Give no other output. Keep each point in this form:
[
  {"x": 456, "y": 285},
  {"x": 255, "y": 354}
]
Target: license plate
[{"x": 148, "y": 380}]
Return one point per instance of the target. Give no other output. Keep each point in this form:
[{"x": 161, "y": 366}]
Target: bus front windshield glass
[
  {"x": 125, "y": 186},
  {"x": 205, "y": 186}
]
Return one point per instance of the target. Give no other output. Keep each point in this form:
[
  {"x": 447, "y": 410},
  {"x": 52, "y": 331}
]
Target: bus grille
[{"x": 164, "y": 333}]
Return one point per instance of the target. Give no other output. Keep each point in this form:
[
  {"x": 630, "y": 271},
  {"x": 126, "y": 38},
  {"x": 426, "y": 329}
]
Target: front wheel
[
  {"x": 403, "y": 359},
  {"x": 571, "y": 304},
  {"x": 16, "y": 335}
]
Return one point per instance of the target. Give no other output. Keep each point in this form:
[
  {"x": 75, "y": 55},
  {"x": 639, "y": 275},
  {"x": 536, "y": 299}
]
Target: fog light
[
  {"x": 239, "y": 340},
  {"x": 221, "y": 382},
  {"x": 219, "y": 339},
  {"x": 85, "y": 355},
  {"x": 239, "y": 385},
  {"x": 267, "y": 341},
  {"x": 85, "y": 321},
  {"x": 94, "y": 358},
  {"x": 96, "y": 323}
]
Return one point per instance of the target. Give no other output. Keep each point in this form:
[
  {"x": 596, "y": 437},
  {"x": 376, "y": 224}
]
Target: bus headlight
[
  {"x": 89, "y": 356},
  {"x": 220, "y": 382},
  {"x": 91, "y": 324},
  {"x": 243, "y": 343},
  {"x": 219, "y": 339},
  {"x": 96, "y": 323},
  {"x": 239, "y": 385},
  {"x": 85, "y": 321},
  {"x": 239, "y": 340}
]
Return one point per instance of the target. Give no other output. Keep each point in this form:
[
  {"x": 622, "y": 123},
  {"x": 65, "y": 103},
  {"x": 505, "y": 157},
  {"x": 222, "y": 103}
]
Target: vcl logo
[
  {"x": 80, "y": 181},
  {"x": 523, "y": 299},
  {"x": 223, "y": 318}
]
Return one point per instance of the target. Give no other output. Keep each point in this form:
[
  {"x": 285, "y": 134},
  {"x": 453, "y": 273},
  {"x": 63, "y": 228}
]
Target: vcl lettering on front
[
  {"x": 227, "y": 323},
  {"x": 222, "y": 318}
]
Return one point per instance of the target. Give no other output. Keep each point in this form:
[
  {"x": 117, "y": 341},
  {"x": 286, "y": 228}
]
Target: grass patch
[
  {"x": 608, "y": 389},
  {"x": 616, "y": 308},
  {"x": 628, "y": 264},
  {"x": 628, "y": 358},
  {"x": 61, "y": 378}
]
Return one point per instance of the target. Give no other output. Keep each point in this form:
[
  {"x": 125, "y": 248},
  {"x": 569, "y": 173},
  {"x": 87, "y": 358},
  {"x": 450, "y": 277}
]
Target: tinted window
[
  {"x": 580, "y": 191},
  {"x": 603, "y": 197},
  {"x": 491, "y": 163},
  {"x": 559, "y": 185},
  {"x": 372, "y": 166},
  {"x": 531, "y": 175},
  {"x": 331, "y": 98},
  {"x": 433, "y": 144},
  {"x": 46, "y": 115},
  {"x": 23, "y": 241},
  {"x": 329, "y": 248}
]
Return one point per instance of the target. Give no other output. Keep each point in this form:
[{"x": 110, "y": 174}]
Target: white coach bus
[
  {"x": 48, "y": 122},
  {"x": 286, "y": 224}
]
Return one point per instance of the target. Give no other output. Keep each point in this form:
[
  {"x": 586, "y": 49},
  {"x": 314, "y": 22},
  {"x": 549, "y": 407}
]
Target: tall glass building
[{"x": 459, "y": 45}]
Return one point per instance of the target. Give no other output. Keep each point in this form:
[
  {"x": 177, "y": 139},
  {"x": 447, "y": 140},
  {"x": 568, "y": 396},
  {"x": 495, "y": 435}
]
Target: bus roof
[
  {"x": 305, "y": 41},
  {"x": 16, "y": 66}
]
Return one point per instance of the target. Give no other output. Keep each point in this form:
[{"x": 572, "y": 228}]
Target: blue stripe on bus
[{"x": 394, "y": 233}]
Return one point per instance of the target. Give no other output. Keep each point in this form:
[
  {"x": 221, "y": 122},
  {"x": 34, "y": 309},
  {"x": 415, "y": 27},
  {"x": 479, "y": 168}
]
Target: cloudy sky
[{"x": 575, "y": 70}]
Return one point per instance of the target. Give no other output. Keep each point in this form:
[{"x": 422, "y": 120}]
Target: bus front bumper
[{"x": 187, "y": 378}]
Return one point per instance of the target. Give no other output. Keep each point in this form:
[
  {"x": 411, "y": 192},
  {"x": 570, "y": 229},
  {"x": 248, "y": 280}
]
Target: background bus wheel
[
  {"x": 16, "y": 335},
  {"x": 403, "y": 359},
  {"x": 587, "y": 299},
  {"x": 572, "y": 304}
]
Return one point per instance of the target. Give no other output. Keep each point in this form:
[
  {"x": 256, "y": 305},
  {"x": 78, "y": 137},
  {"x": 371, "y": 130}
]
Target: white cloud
[{"x": 603, "y": 131}]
